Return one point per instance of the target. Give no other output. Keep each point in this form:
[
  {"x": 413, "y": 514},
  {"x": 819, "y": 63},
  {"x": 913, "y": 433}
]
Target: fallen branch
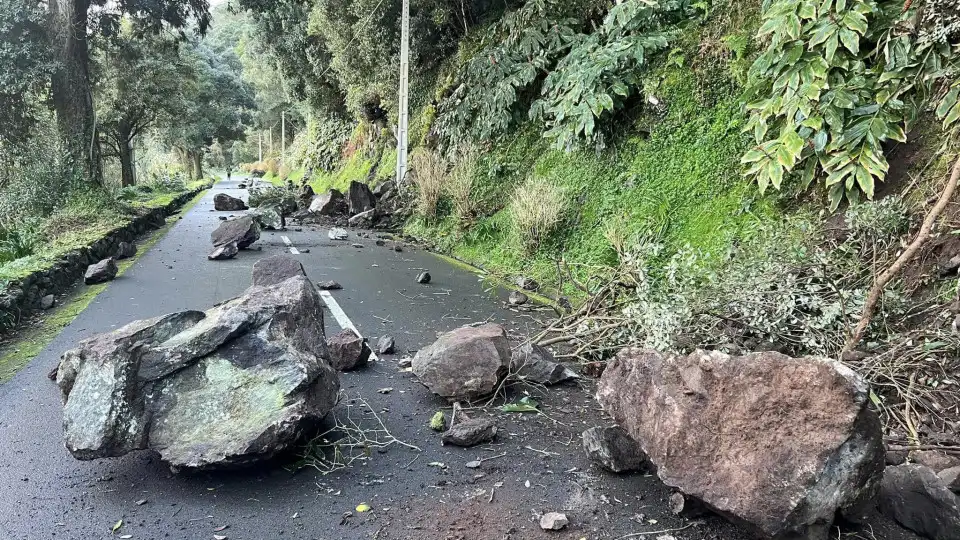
[{"x": 869, "y": 308}]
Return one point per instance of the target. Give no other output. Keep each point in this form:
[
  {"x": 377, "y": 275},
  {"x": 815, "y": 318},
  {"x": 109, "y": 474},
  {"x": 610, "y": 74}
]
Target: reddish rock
[
  {"x": 465, "y": 364},
  {"x": 348, "y": 351},
  {"x": 773, "y": 442}
]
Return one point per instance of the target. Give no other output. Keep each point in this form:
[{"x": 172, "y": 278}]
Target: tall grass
[
  {"x": 460, "y": 187},
  {"x": 536, "y": 208},
  {"x": 429, "y": 173}
]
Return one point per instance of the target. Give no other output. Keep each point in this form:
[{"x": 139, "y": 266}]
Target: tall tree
[
  {"x": 69, "y": 29},
  {"x": 139, "y": 84}
]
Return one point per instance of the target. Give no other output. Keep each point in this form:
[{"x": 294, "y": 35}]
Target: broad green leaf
[
  {"x": 835, "y": 196},
  {"x": 526, "y": 404},
  {"x": 850, "y": 40},
  {"x": 865, "y": 181},
  {"x": 809, "y": 172},
  {"x": 948, "y": 102},
  {"x": 831, "y": 47},
  {"x": 775, "y": 172},
  {"x": 753, "y": 155},
  {"x": 820, "y": 141},
  {"x": 792, "y": 142},
  {"x": 807, "y": 10},
  {"x": 793, "y": 54},
  {"x": 841, "y": 5}
]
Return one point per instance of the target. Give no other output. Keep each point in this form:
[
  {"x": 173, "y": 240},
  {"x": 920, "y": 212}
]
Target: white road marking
[
  {"x": 286, "y": 240},
  {"x": 342, "y": 318}
]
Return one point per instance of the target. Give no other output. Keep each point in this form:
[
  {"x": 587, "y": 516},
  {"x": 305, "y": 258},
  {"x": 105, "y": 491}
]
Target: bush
[
  {"x": 283, "y": 198},
  {"x": 429, "y": 172},
  {"x": 18, "y": 241},
  {"x": 536, "y": 208}
]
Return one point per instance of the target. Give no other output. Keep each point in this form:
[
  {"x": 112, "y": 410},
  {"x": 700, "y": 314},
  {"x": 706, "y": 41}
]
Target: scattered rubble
[
  {"x": 467, "y": 432},
  {"x": 674, "y": 405},
  {"x": 915, "y": 497},
  {"x": 225, "y": 203},
  {"x": 533, "y": 363},
  {"x": 230, "y": 386},
  {"x": 465, "y": 364},
  {"x": 348, "y": 351},
  {"x": 101, "y": 272},
  {"x": 614, "y": 450}
]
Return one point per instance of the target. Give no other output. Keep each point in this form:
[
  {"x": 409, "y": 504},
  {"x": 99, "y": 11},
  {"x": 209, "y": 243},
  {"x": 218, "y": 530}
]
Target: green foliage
[
  {"x": 536, "y": 209},
  {"x": 837, "y": 81},
  {"x": 18, "y": 240},
  {"x": 603, "y": 69},
  {"x": 282, "y": 197},
  {"x": 27, "y": 66},
  {"x": 320, "y": 145}
]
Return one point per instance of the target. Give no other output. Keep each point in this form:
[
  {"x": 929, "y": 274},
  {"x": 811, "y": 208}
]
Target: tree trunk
[
  {"x": 127, "y": 175},
  {"x": 197, "y": 164},
  {"x": 70, "y": 86}
]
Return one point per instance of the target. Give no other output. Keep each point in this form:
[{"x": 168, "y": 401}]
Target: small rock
[
  {"x": 915, "y": 497},
  {"x": 517, "y": 298},
  {"x": 241, "y": 186},
  {"x": 348, "y": 350},
  {"x": 363, "y": 218},
  {"x": 470, "y": 432},
  {"x": 527, "y": 284},
  {"x": 687, "y": 507},
  {"x": 226, "y": 251},
  {"x": 386, "y": 345},
  {"x": 47, "y": 302},
  {"x": 381, "y": 242},
  {"x": 337, "y": 233},
  {"x": 534, "y": 363},
  {"x": 423, "y": 277},
  {"x": 438, "y": 422},
  {"x": 357, "y": 245},
  {"x": 613, "y": 449},
  {"x": 398, "y": 248},
  {"x": 330, "y": 285},
  {"x": 404, "y": 363},
  {"x": 101, "y": 272},
  {"x": 951, "y": 477},
  {"x": 936, "y": 460},
  {"x": 553, "y": 521},
  {"x": 126, "y": 250},
  {"x": 895, "y": 457},
  {"x": 222, "y": 218}
]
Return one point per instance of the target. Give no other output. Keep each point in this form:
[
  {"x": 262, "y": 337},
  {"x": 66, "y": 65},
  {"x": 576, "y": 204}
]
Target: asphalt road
[{"x": 46, "y": 494}]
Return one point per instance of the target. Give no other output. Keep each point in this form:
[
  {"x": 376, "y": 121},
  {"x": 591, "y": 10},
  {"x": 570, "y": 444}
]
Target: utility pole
[
  {"x": 260, "y": 133},
  {"x": 283, "y": 135},
  {"x": 404, "y": 86}
]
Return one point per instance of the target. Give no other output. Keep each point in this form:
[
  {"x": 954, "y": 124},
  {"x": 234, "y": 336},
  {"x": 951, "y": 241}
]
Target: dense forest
[{"x": 677, "y": 174}]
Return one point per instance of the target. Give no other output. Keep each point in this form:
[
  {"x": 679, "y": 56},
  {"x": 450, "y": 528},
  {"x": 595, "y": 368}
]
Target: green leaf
[
  {"x": 526, "y": 404},
  {"x": 775, "y": 172},
  {"x": 822, "y": 34},
  {"x": 865, "y": 181},
  {"x": 753, "y": 155},
  {"x": 820, "y": 141},
  {"x": 807, "y": 10},
  {"x": 831, "y": 46},
  {"x": 605, "y": 101},
  {"x": 841, "y": 5},
  {"x": 948, "y": 102},
  {"x": 116, "y": 526},
  {"x": 850, "y": 40},
  {"x": 792, "y": 142},
  {"x": 809, "y": 171},
  {"x": 793, "y": 54},
  {"x": 835, "y": 196},
  {"x": 856, "y": 22}
]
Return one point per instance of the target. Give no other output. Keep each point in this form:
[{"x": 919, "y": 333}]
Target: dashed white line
[
  {"x": 286, "y": 240},
  {"x": 342, "y": 318}
]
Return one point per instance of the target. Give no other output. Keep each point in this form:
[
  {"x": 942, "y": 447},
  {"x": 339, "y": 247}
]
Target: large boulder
[
  {"x": 101, "y": 272},
  {"x": 226, "y": 203},
  {"x": 360, "y": 198},
  {"x": 915, "y": 497},
  {"x": 269, "y": 218},
  {"x": 242, "y": 230},
  {"x": 276, "y": 269},
  {"x": 773, "y": 442},
  {"x": 533, "y": 363},
  {"x": 465, "y": 364},
  {"x": 613, "y": 449},
  {"x": 330, "y": 203},
  {"x": 304, "y": 197},
  {"x": 230, "y": 386}
]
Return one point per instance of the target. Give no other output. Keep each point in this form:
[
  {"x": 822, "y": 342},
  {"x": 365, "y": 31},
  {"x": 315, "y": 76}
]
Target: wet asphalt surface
[{"x": 427, "y": 494}]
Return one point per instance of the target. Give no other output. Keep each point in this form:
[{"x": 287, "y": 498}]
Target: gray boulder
[
  {"x": 348, "y": 351},
  {"x": 226, "y": 387},
  {"x": 276, "y": 269},
  {"x": 329, "y": 285},
  {"x": 337, "y": 233},
  {"x": 363, "y": 219},
  {"x": 225, "y": 203},
  {"x": 423, "y": 278},
  {"x": 47, "y": 302},
  {"x": 305, "y": 197},
  {"x": 126, "y": 250},
  {"x": 268, "y": 217},
  {"x": 241, "y": 230},
  {"x": 101, "y": 272},
  {"x": 517, "y": 298},
  {"x": 776, "y": 443},
  {"x": 951, "y": 477},
  {"x": 386, "y": 345},
  {"x": 330, "y": 203},
  {"x": 613, "y": 449},
  {"x": 360, "y": 198},
  {"x": 383, "y": 188},
  {"x": 915, "y": 497},
  {"x": 465, "y": 364},
  {"x": 531, "y": 362},
  {"x": 226, "y": 251}
]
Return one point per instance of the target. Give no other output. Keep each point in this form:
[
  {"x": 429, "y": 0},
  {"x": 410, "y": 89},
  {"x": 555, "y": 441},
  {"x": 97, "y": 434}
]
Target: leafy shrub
[
  {"x": 838, "y": 80},
  {"x": 19, "y": 240},
  {"x": 536, "y": 208},
  {"x": 429, "y": 173},
  {"x": 320, "y": 145},
  {"x": 602, "y": 69}
]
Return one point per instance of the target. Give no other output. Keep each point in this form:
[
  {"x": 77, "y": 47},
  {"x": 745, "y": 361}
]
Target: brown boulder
[
  {"x": 348, "y": 350},
  {"x": 225, "y": 203},
  {"x": 465, "y": 364},
  {"x": 276, "y": 269},
  {"x": 776, "y": 443},
  {"x": 360, "y": 198}
]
